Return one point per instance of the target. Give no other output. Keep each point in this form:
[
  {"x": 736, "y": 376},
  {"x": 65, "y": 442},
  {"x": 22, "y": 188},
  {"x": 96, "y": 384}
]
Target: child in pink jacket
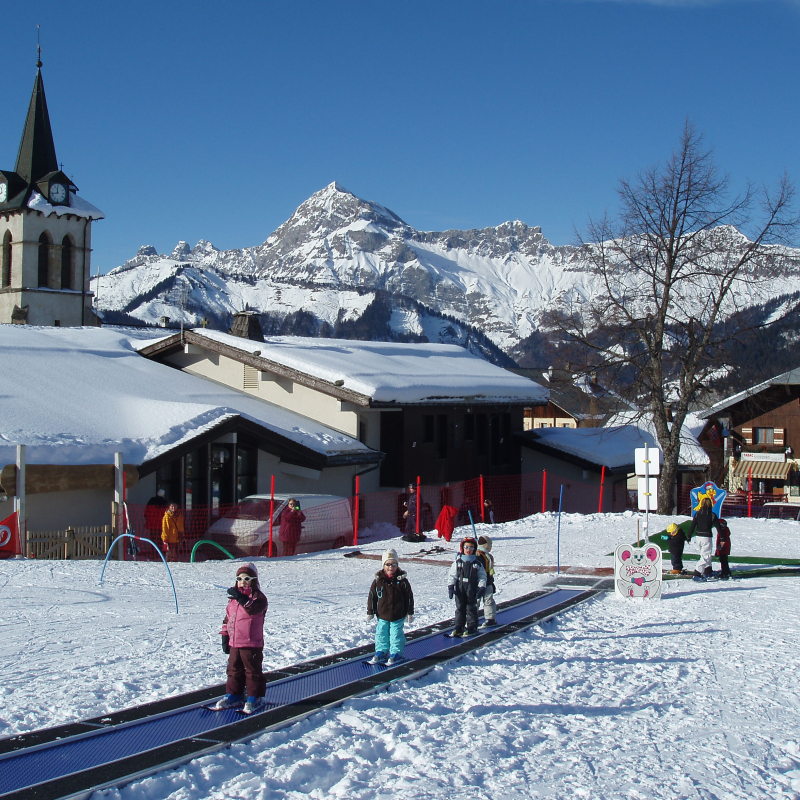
[{"x": 243, "y": 641}]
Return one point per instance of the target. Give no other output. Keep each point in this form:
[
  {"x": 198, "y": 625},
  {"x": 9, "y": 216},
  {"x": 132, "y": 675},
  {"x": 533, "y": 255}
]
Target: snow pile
[
  {"x": 694, "y": 696},
  {"x": 78, "y": 395}
]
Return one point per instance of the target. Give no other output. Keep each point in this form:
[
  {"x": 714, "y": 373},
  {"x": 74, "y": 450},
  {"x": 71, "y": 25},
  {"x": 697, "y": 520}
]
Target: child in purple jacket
[{"x": 243, "y": 641}]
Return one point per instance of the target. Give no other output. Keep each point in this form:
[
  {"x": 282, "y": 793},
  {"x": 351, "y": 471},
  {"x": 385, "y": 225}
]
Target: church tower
[{"x": 45, "y": 231}]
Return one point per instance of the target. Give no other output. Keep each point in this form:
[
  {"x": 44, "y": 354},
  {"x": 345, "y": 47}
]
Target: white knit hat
[
  {"x": 249, "y": 569},
  {"x": 390, "y": 555}
]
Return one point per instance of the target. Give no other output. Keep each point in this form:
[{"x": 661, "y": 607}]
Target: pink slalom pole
[
  {"x": 419, "y": 503},
  {"x": 483, "y": 507},
  {"x": 544, "y": 491},
  {"x": 271, "y": 512},
  {"x": 355, "y": 517},
  {"x": 750, "y": 491},
  {"x": 602, "y": 480}
]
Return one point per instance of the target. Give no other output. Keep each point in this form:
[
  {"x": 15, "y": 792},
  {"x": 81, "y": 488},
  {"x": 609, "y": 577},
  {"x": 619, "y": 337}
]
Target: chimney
[{"x": 246, "y": 326}]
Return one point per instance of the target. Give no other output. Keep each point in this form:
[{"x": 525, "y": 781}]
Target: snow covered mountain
[
  {"x": 347, "y": 267},
  {"x": 339, "y": 258}
]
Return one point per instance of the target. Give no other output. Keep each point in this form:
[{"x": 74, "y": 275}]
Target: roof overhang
[
  {"x": 287, "y": 450},
  {"x": 526, "y": 439}
]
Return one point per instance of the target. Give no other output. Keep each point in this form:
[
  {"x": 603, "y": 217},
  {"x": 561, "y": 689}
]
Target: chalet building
[
  {"x": 582, "y": 458},
  {"x": 571, "y": 403},
  {"x": 45, "y": 231},
  {"x": 433, "y": 411},
  {"x": 763, "y": 427},
  {"x": 87, "y": 395}
]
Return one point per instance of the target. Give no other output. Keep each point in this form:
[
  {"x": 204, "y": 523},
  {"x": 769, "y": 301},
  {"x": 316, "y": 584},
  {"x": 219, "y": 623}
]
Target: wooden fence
[{"x": 73, "y": 543}]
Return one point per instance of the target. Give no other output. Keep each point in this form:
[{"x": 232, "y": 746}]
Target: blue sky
[{"x": 190, "y": 120}]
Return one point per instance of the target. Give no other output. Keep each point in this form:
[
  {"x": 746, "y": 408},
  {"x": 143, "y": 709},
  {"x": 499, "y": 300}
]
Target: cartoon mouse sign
[{"x": 637, "y": 571}]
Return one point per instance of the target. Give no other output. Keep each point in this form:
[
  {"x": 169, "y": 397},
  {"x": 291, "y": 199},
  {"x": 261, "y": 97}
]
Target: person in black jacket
[
  {"x": 704, "y": 520},
  {"x": 392, "y": 601},
  {"x": 677, "y": 540}
]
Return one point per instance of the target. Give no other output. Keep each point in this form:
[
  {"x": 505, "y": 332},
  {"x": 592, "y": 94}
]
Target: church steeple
[{"x": 37, "y": 150}]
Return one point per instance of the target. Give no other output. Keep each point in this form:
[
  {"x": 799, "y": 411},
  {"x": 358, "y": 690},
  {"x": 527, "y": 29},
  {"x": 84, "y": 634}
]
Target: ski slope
[{"x": 695, "y": 696}]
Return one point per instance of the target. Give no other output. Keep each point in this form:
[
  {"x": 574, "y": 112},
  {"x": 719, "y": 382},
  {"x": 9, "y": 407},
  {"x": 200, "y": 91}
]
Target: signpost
[{"x": 637, "y": 570}]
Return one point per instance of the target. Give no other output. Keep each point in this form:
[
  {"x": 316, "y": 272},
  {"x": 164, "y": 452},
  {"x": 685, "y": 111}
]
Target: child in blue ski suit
[
  {"x": 467, "y": 584},
  {"x": 392, "y": 601}
]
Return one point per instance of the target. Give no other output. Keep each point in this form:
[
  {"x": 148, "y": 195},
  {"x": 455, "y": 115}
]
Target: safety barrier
[{"x": 244, "y": 530}]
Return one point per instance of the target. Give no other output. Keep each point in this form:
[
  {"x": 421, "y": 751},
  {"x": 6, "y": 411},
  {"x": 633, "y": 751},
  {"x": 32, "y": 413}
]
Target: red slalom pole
[
  {"x": 750, "y": 491},
  {"x": 544, "y": 491},
  {"x": 483, "y": 507},
  {"x": 355, "y": 517},
  {"x": 419, "y": 503},
  {"x": 271, "y": 512},
  {"x": 602, "y": 480}
]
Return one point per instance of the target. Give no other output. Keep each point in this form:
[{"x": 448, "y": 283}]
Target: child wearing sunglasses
[
  {"x": 466, "y": 583},
  {"x": 392, "y": 601},
  {"x": 243, "y": 641}
]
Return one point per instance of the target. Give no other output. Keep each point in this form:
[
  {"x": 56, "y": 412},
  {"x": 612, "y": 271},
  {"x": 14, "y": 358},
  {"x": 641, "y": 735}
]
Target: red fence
[{"x": 244, "y": 530}]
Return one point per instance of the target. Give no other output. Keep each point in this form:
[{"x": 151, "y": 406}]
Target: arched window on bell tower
[
  {"x": 44, "y": 259},
  {"x": 67, "y": 259},
  {"x": 5, "y": 273}
]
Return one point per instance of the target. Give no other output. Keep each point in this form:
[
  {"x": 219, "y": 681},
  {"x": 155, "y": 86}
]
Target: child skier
[
  {"x": 172, "y": 531},
  {"x": 467, "y": 584},
  {"x": 723, "y": 550},
  {"x": 391, "y": 599},
  {"x": 243, "y": 641},
  {"x": 489, "y": 605},
  {"x": 675, "y": 545}
]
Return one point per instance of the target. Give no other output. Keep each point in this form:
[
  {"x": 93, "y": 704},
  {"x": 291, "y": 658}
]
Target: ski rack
[{"x": 74, "y": 760}]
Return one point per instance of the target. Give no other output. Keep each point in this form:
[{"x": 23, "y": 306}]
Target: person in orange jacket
[{"x": 172, "y": 530}]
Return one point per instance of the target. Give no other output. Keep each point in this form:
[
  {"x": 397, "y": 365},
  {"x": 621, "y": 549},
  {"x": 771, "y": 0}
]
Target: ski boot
[
  {"x": 378, "y": 658},
  {"x": 229, "y": 701}
]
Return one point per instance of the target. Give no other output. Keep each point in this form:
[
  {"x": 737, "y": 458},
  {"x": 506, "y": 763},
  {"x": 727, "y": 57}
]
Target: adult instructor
[{"x": 704, "y": 520}]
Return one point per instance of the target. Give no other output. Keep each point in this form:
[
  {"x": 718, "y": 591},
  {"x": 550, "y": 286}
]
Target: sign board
[
  {"x": 637, "y": 572},
  {"x": 653, "y": 455},
  {"x": 653, "y": 490},
  {"x": 711, "y": 490},
  {"x": 777, "y": 457}
]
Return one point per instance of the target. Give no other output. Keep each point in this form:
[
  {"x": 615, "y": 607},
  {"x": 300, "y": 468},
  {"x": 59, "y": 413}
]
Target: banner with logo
[{"x": 9, "y": 536}]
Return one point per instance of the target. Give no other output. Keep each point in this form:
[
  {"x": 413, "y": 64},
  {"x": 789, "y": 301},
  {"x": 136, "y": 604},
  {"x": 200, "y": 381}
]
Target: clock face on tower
[
  {"x": 3, "y": 192},
  {"x": 58, "y": 194}
]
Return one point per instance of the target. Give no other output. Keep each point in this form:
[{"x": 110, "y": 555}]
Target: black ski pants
[{"x": 466, "y": 613}]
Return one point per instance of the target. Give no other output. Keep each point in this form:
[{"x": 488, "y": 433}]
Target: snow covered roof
[
  {"x": 791, "y": 378},
  {"x": 612, "y": 446},
  {"x": 382, "y": 372},
  {"x": 77, "y": 206},
  {"x": 78, "y": 395}
]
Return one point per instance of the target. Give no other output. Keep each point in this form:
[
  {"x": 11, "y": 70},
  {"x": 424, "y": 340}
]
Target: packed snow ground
[{"x": 694, "y": 696}]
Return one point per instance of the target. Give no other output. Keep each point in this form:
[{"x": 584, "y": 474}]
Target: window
[
  {"x": 6, "y": 258},
  {"x": 362, "y": 431},
  {"x": 763, "y": 435},
  {"x": 481, "y": 437},
  {"x": 44, "y": 259},
  {"x": 246, "y": 471},
  {"x": 66, "y": 263},
  {"x": 427, "y": 428},
  {"x": 441, "y": 436},
  {"x": 249, "y": 378},
  {"x": 469, "y": 427}
]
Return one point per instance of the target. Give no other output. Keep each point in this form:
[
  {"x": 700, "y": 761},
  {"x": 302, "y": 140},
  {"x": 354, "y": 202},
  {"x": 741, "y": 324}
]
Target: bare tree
[{"x": 671, "y": 270}]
